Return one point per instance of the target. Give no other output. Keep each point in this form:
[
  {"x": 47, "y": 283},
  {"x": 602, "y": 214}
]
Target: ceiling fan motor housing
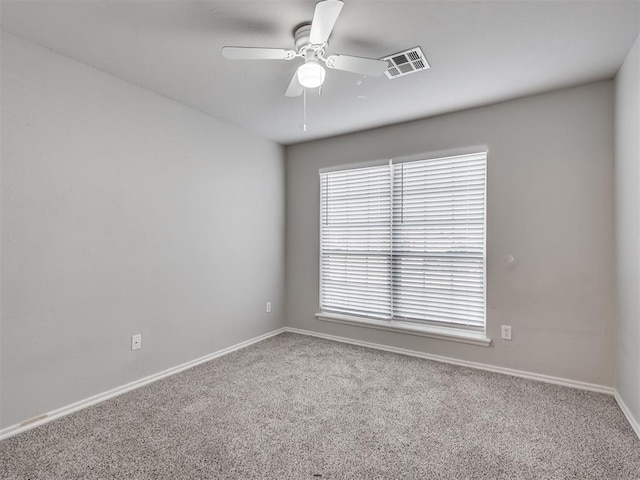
[{"x": 301, "y": 36}]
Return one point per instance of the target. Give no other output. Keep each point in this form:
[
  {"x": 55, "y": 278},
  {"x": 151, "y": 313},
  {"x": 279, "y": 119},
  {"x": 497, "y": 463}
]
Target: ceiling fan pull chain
[{"x": 304, "y": 110}]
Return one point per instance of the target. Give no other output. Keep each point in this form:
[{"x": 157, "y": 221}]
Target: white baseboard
[
  {"x": 463, "y": 363},
  {"x": 627, "y": 413},
  {"x": 74, "y": 407}
]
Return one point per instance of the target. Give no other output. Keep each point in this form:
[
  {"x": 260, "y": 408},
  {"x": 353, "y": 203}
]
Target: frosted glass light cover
[{"x": 311, "y": 74}]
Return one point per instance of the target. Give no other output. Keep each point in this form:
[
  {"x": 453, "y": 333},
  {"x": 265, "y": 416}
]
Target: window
[{"x": 404, "y": 242}]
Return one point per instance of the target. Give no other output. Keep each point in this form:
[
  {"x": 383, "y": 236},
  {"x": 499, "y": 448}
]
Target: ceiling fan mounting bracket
[{"x": 301, "y": 35}]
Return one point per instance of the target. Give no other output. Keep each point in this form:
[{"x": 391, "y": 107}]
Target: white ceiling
[{"x": 480, "y": 52}]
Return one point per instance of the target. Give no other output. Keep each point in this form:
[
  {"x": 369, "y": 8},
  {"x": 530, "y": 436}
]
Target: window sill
[{"x": 441, "y": 333}]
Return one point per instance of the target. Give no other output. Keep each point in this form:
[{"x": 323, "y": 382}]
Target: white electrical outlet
[
  {"x": 506, "y": 332},
  {"x": 136, "y": 342},
  {"x": 268, "y": 307}
]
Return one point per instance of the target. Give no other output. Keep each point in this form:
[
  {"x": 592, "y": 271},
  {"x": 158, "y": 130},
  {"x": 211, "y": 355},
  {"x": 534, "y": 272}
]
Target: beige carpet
[{"x": 298, "y": 407}]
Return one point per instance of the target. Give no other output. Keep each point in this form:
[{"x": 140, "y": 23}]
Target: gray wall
[
  {"x": 627, "y": 183},
  {"x": 124, "y": 212},
  {"x": 550, "y": 204}
]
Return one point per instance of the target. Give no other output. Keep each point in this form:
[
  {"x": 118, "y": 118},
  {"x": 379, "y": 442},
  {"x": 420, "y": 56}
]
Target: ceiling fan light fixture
[
  {"x": 311, "y": 74},
  {"x": 310, "y": 41}
]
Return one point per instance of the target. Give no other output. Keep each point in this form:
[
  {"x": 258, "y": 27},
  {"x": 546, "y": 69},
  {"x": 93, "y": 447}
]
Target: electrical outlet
[
  {"x": 268, "y": 307},
  {"x": 136, "y": 342},
  {"x": 506, "y": 332}
]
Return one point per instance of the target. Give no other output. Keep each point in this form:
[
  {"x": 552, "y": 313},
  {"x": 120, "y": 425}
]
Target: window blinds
[
  {"x": 406, "y": 241},
  {"x": 438, "y": 240},
  {"x": 355, "y": 239}
]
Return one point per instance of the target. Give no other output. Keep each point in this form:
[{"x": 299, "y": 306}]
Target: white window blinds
[
  {"x": 355, "y": 239},
  {"x": 438, "y": 240},
  {"x": 406, "y": 241}
]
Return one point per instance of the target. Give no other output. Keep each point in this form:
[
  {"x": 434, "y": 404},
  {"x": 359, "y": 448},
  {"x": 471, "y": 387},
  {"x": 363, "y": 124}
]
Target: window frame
[{"x": 433, "y": 329}]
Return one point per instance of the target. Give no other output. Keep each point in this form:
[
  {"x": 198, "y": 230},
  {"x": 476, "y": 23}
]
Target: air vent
[{"x": 405, "y": 63}]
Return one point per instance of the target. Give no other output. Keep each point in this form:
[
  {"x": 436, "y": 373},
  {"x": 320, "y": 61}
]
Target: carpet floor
[{"x": 299, "y": 407}]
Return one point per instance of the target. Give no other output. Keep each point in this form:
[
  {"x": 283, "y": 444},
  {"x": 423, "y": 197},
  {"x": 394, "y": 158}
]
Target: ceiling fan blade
[
  {"x": 364, "y": 66},
  {"x": 324, "y": 20},
  {"x": 294, "y": 89},
  {"x": 254, "y": 53}
]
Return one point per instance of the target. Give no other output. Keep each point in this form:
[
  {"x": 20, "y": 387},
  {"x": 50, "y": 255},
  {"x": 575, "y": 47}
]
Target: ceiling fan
[{"x": 310, "y": 43}]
